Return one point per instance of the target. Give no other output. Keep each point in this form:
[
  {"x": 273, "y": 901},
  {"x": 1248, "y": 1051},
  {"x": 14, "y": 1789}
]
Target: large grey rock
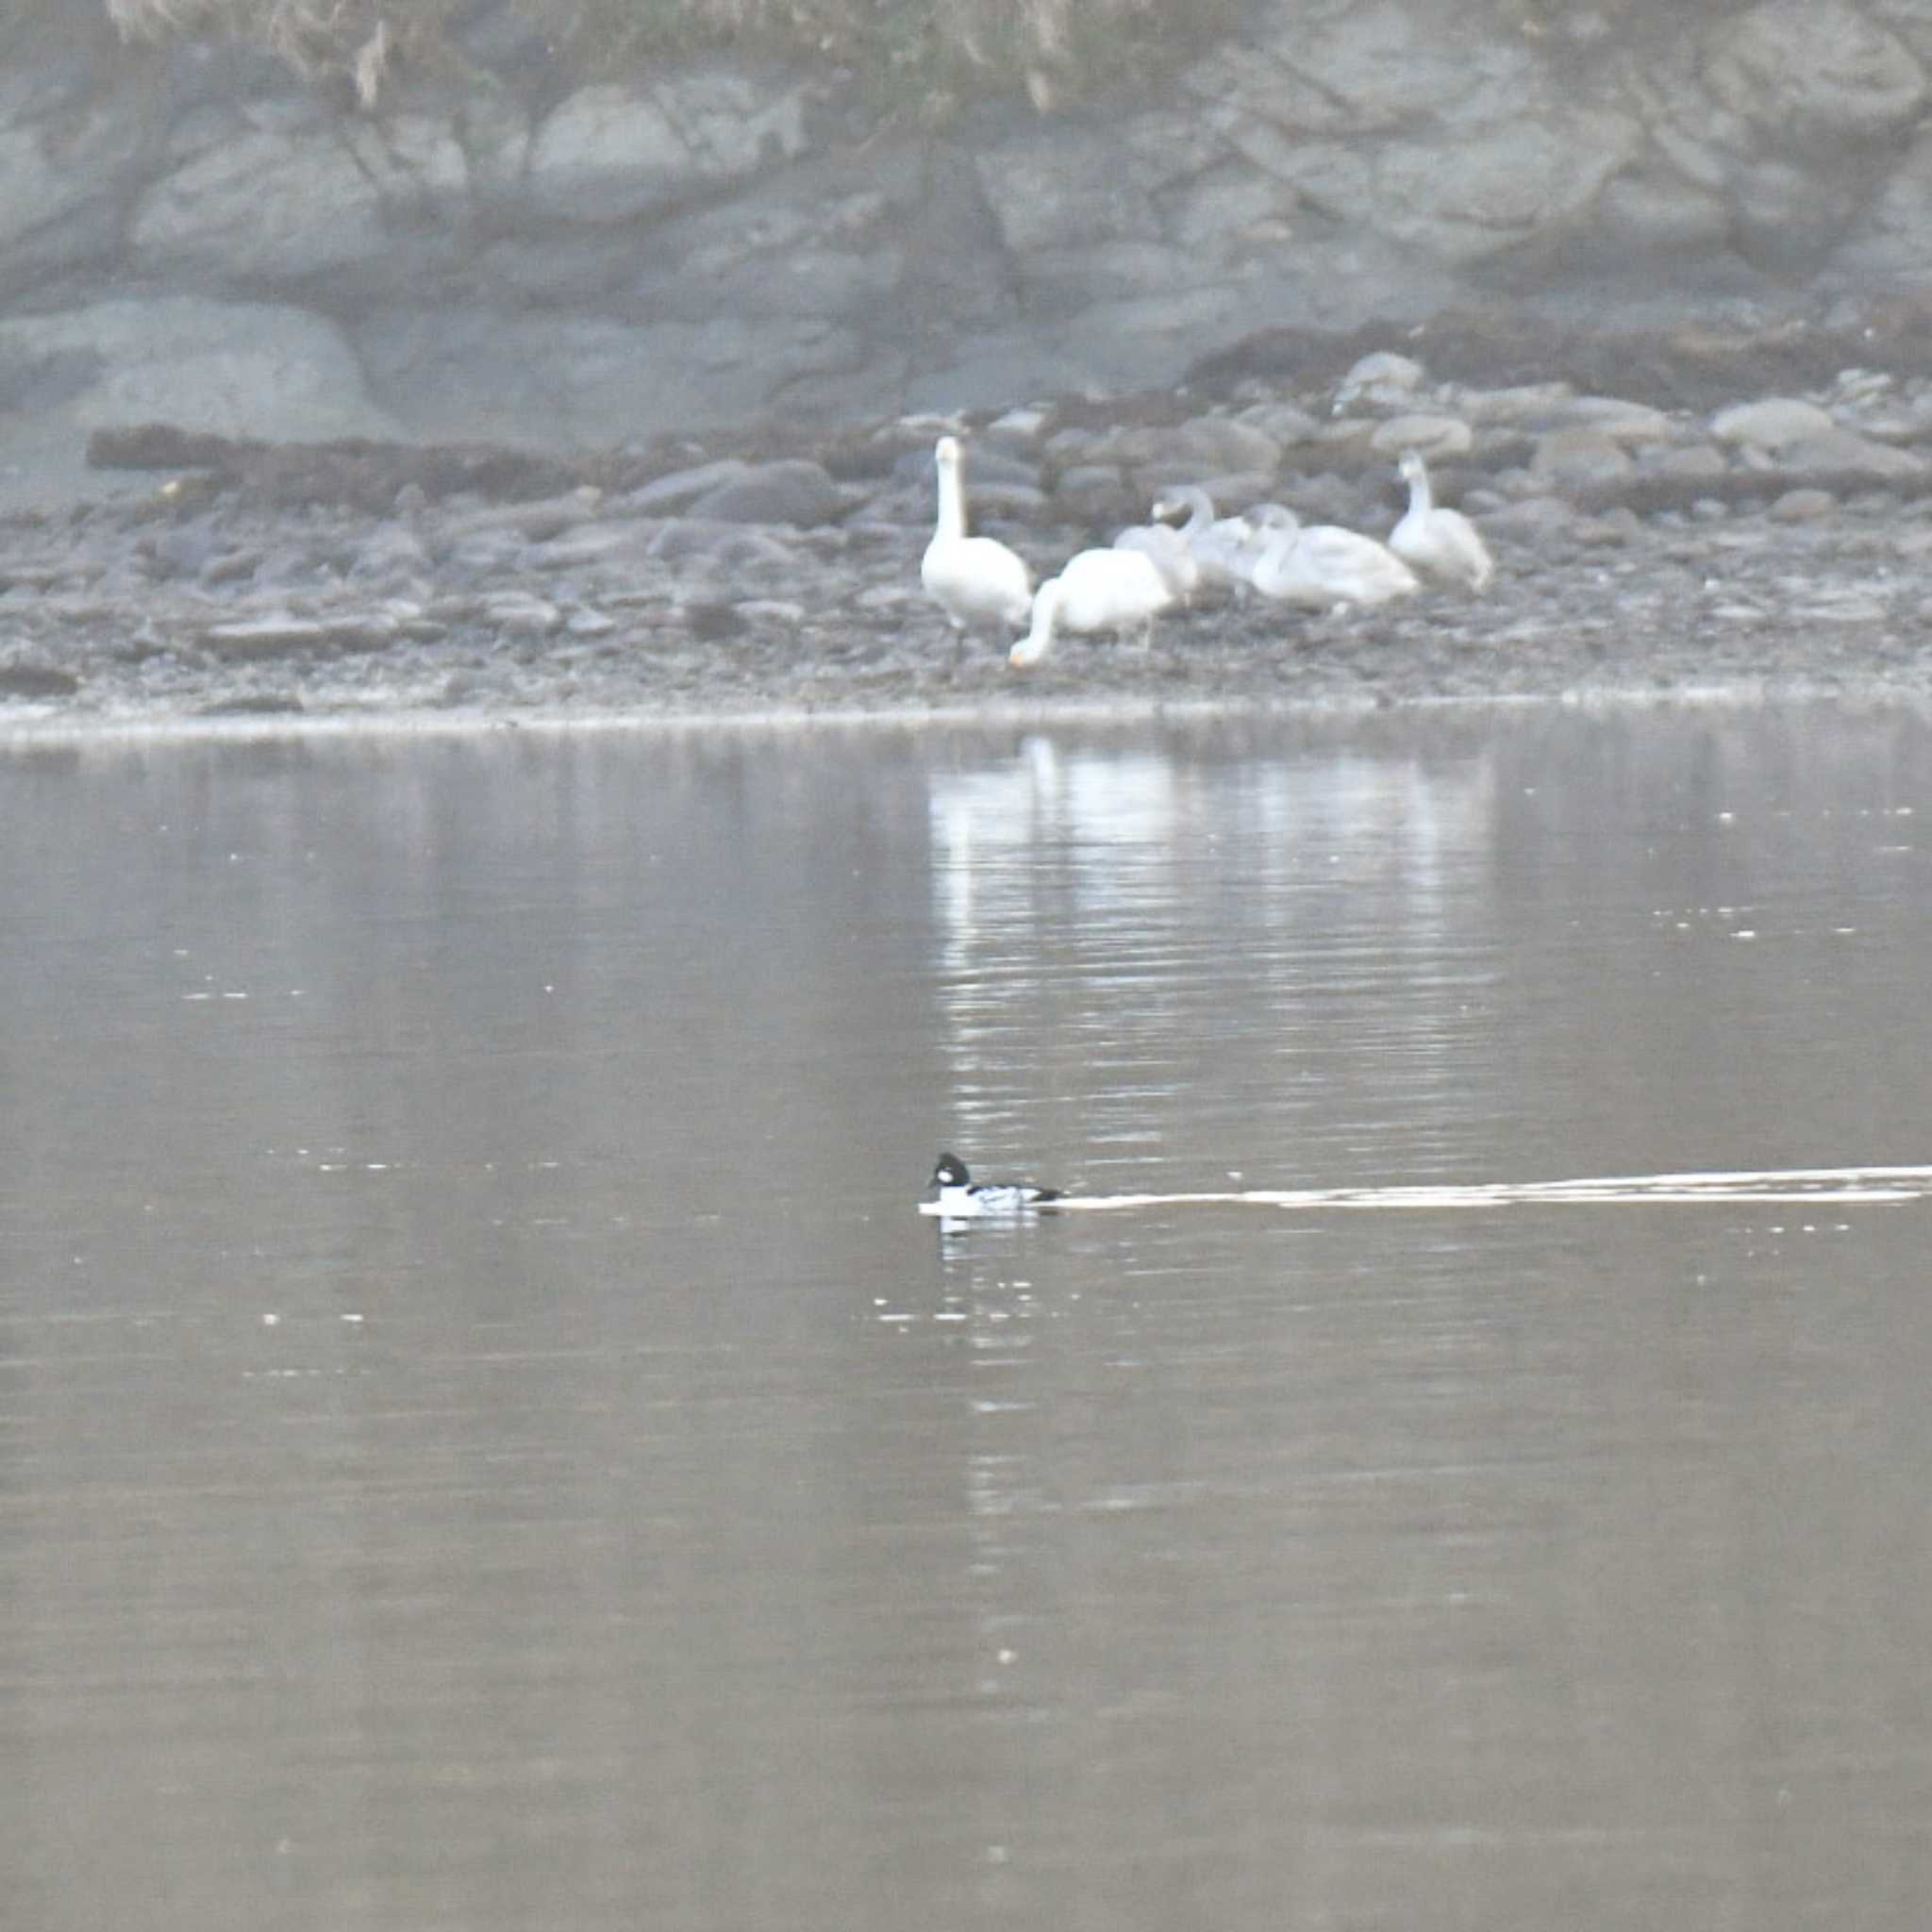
[
  {"x": 1393, "y": 63},
  {"x": 255, "y": 204},
  {"x": 1814, "y": 72},
  {"x": 793, "y": 492},
  {"x": 1774, "y": 422},
  {"x": 1788, "y": 219},
  {"x": 1463, "y": 196},
  {"x": 1578, "y": 458},
  {"x": 673, "y": 495},
  {"x": 615, "y": 149},
  {"x": 238, "y": 369},
  {"x": 1055, "y": 188},
  {"x": 1894, "y": 241},
  {"x": 818, "y": 239},
  {"x": 1839, "y": 450},
  {"x": 575, "y": 380},
  {"x": 1655, "y": 209},
  {"x": 1231, "y": 213},
  {"x": 1433, "y": 435},
  {"x": 420, "y": 163},
  {"x": 48, "y": 173}
]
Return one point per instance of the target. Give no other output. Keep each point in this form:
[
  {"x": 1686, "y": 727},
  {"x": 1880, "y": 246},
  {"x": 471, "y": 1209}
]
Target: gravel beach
[{"x": 1771, "y": 547}]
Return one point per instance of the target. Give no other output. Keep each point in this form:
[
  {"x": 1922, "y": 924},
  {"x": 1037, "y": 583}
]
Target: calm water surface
[{"x": 486, "y": 1440}]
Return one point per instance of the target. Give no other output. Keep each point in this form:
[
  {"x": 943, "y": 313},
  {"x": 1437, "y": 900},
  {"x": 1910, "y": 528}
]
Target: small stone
[
  {"x": 1613, "y": 529},
  {"x": 718, "y": 547},
  {"x": 1772, "y": 424},
  {"x": 1221, "y": 441},
  {"x": 390, "y": 551},
  {"x": 1575, "y": 457},
  {"x": 1802, "y": 506},
  {"x": 887, "y": 597},
  {"x": 520, "y": 614},
  {"x": 1527, "y": 403},
  {"x": 1021, "y": 425},
  {"x": 264, "y": 636},
  {"x": 1380, "y": 376},
  {"x": 1434, "y": 436},
  {"x": 29, "y": 678},
  {"x": 1628, "y": 422},
  {"x": 794, "y": 491},
  {"x": 1842, "y": 449},
  {"x": 1696, "y": 460},
  {"x": 673, "y": 495},
  {"x": 258, "y": 704},
  {"x": 588, "y": 544},
  {"x": 1287, "y": 422},
  {"x": 1532, "y": 520}
]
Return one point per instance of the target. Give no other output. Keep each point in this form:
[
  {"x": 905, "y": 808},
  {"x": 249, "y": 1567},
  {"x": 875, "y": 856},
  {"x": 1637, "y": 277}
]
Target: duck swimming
[
  {"x": 1438, "y": 541},
  {"x": 961, "y": 1197},
  {"x": 1321, "y": 565},
  {"x": 1118, "y": 590},
  {"x": 976, "y": 580}
]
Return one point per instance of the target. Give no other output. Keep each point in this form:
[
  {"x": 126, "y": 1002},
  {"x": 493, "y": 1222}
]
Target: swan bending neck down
[
  {"x": 974, "y": 580},
  {"x": 1440, "y": 542},
  {"x": 1321, "y": 565},
  {"x": 1119, "y": 591}
]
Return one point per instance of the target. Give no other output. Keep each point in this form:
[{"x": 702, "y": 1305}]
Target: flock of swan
[{"x": 1154, "y": 567}]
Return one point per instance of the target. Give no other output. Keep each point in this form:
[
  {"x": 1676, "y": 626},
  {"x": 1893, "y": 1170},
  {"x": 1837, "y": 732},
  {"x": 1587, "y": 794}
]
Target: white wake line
[{"x": 1789, "y": 1185}]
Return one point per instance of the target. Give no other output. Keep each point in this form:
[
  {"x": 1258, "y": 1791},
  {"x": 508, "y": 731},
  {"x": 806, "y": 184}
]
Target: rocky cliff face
[{"x": 191, "y": 238}]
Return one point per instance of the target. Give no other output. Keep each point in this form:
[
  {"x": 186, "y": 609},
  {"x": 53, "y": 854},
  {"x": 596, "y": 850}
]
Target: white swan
[
  {"x": 1171, "y": 555},
  {"x": 1321, "y": 565},
  {"x": 1120, "y": 591},
  {"x": 974, "y": 580},
  {"x": 1216, "y": 544},
  {"x": 1440, "y": 542}
]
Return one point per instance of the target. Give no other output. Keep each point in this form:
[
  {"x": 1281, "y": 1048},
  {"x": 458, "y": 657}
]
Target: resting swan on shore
[
  {"x": 1119, "y": 591},
  {"x": 1440, "y": 542},
  {"x": 974, "y": 580},
  {"x": 1320, "y": 565},
  {"x": 1216, "y": 544}
]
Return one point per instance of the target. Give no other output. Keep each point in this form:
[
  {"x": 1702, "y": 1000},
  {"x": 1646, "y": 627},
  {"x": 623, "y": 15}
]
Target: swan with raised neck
[
  {"x": 977, "y": 581},
  {"x": 1436, "y": 540},
  {"x": 1216, "y": 544}
]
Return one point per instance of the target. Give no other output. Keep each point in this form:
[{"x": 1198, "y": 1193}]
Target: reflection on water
[{"x": 490, "y": 1443}]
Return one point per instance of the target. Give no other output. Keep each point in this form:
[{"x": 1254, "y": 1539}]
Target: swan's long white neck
[
  {"x": 1422, "y": 499},
  {"x": 952, "y": 514},
  {"x": 1039, "y": 640},
  {"x": 1279, "y": 543},
  {"x": 1200, "y": 509}
]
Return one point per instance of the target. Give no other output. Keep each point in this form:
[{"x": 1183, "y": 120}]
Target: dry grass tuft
[{"x": 930, "y": 53}]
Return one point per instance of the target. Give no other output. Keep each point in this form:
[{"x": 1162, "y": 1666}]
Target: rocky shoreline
[{"x": 1772, "y": 546}]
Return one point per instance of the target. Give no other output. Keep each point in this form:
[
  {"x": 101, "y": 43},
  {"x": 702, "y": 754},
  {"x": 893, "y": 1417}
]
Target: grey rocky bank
[
  {"x": 191, "y": 237},
  {"x": 1770, "y": 545}
]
